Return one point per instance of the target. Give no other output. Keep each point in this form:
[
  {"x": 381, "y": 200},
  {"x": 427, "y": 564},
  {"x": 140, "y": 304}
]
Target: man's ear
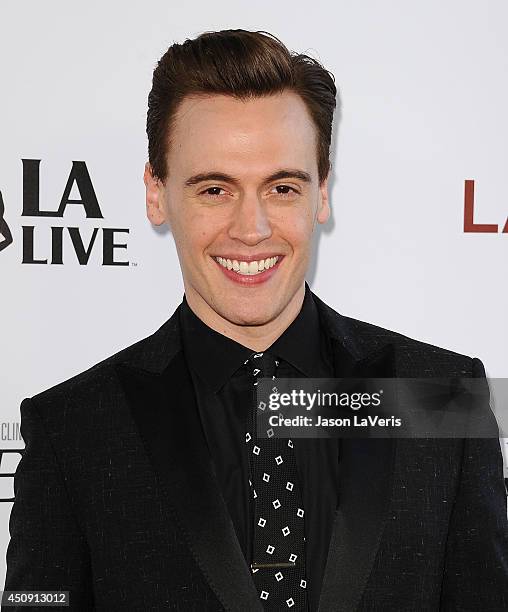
[
  {"x": 323, "y": 212},
  {"x": 154, "y": 197}
]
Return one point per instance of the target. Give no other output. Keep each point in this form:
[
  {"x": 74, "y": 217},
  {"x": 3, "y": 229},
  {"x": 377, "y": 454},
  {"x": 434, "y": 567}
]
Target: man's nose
[{"x": 250, "y": 222}]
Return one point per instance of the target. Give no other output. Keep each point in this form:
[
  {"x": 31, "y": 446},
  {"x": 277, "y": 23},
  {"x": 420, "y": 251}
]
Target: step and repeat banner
[{"x": 418, "y": 237}]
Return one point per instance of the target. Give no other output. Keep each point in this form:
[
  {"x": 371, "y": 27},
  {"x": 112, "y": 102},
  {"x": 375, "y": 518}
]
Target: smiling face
[{"x": 241, "y": 197}]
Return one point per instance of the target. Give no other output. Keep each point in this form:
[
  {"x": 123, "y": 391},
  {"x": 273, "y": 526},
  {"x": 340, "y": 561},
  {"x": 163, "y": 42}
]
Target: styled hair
[{"x": 241, "y": 64}]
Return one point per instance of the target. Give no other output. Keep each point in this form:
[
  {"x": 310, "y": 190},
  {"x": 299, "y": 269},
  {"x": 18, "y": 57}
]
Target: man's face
[{"x": 241, "y": 198}]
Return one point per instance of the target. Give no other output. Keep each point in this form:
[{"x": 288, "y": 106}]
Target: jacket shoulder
[
  {"x": 412, "y": 355},
  {"x": 371, "y": 332},
  {"x": 150, "y": 352},
  {"x": 423, "y": 356}
]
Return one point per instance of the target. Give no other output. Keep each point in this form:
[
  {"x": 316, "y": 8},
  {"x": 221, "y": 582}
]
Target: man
[{"x": 144, "y": 485}]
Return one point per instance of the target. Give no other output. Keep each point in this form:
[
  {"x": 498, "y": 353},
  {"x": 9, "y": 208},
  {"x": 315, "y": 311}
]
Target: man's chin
[
  {"x": 248, "y": 316},
  {"x": 254, "y": 307}
]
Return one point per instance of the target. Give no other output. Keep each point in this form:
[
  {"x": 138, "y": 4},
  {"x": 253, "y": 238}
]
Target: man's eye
[
  {"x": 285, "y": 190},
  {"x": 213, "y": 191}
]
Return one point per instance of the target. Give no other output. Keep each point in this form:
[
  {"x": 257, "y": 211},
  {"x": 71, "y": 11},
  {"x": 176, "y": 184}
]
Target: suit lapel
[
  {"x": 164, "y": 408},
  {"x": 365, "y": 477},
  {"x": 366, "y": 466}
]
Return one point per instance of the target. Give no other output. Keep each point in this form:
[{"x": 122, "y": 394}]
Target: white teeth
[{"x": 247, "y": 268}]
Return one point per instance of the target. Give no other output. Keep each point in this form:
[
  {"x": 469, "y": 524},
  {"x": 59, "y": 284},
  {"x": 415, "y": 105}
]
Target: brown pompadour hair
[{"x": 242, "y": 64}]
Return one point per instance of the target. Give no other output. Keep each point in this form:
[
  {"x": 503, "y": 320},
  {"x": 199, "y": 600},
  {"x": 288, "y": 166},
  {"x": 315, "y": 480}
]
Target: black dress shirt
[{"x": 223, "y": 386}]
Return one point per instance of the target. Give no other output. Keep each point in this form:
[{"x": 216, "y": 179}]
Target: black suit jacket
[{"x": 118, "y": 503}]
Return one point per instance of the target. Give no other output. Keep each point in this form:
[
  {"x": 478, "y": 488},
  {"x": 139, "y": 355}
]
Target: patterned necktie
[{"x": 278, "y": 547}]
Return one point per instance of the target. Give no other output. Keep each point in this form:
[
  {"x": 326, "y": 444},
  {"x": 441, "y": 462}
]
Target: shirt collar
[{"x": 215, "y": 357}]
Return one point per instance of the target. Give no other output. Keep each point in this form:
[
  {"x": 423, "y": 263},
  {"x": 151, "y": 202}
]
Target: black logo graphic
[
  {"x": 4, "y": 228},
  {"x": 9, "y": 458}
]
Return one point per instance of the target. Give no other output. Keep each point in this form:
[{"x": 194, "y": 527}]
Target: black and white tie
[{"x": 278, "y": 547}]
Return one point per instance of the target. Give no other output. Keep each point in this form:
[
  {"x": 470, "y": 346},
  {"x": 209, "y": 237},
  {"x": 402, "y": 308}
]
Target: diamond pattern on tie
[{"x": 278, "y": 525}]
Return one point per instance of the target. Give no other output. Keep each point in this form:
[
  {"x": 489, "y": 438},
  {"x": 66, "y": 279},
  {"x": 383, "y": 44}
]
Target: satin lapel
[
  {"x": 164, "y": 408},
  {"x": 365, "y": 483}
]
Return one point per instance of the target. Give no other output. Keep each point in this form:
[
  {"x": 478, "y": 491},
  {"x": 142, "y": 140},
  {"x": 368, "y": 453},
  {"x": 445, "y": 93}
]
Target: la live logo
[
  {"x": 45, "y": 245},
  {"x": 470, "y": 226}
]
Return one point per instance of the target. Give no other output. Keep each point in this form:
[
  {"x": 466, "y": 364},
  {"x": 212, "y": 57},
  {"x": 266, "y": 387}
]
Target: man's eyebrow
[
  {"x": 227, "y": 178},
  {"x": 289, "y": 174},
  {"x": 210, "y": 176}
]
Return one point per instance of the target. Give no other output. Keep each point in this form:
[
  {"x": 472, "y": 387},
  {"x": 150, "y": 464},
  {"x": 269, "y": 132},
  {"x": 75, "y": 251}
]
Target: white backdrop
[{"x": 424, "y": 97}]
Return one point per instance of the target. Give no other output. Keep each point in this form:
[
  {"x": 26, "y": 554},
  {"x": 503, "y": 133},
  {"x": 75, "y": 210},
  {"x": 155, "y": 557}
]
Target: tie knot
[{"x": 262, "y": 365}]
